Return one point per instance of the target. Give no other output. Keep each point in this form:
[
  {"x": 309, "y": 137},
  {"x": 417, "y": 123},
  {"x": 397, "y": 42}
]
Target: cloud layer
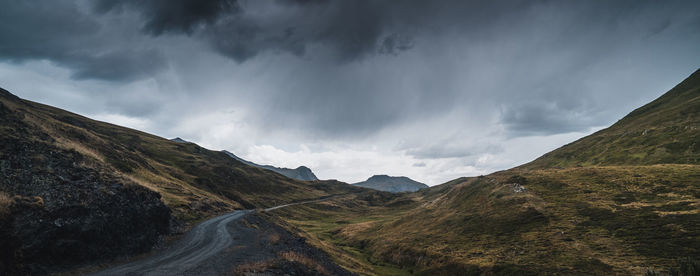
[{"x": 428, "y": 89}]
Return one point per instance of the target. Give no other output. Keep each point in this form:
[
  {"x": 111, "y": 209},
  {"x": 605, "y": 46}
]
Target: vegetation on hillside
[
  {"x": 193, "y": 181},
  {"x": 595, "y": 220},
  {"x": 77, "y": 191},
  {"x": 625, "y": 200}
]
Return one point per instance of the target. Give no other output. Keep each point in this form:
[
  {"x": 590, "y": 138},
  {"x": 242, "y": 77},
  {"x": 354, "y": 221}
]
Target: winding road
[{"x": 201, "y": 243}]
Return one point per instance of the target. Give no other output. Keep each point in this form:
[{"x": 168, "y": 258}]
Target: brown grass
[
  {"x": 596, "y": 219},
  {"x": 79, "y": 147},
  {"x": 5, "y": 203},
  {"x": 63, "y": 142},
  {"x": 274, "y": 238},
  {"x": 304, "y": 260}
]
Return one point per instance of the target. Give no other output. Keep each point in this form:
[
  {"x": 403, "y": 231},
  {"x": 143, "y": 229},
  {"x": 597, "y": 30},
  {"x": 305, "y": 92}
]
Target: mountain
[
  {"x": 617, "y": 202},
  {"x": 179, "y": 140},
  {"x": 394, "y": 184},
  {"x": 664, "y": 131},
  {"x": 300, "y": 173},
  {"x": 75, "y": 191}
]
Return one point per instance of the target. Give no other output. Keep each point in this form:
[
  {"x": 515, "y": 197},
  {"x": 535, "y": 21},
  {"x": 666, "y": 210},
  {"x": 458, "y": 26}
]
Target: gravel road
[{"x": 201, "y": 251}]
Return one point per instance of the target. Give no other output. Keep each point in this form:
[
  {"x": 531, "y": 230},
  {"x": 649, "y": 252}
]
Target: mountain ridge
[
  {"x": 393, "y": 184},
  {"x": 300, "y": 173},
  {"x": 76, "y": 190}
]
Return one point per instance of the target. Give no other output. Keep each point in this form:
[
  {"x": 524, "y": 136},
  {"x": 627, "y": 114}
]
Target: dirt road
[{"x": 210, "y": 248}]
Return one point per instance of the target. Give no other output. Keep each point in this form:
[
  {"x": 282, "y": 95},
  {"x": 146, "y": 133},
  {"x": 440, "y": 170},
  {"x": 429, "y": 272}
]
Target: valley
[
  {"x": 623, "y": 200},
  {"x": 80, "y": 196},
  {"x": 369, "y": 138},
  {"x": 77, "y": 191},
  {"x": 600, "y": 220}
]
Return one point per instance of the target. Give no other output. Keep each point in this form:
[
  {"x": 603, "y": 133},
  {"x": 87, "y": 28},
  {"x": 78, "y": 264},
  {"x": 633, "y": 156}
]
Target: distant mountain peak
[
  {"x": 300, "y": 173},
  {"x": 379, "y": 176},
  {"x": 394, "y": 184},
  {"x": 179, "y": 140}
]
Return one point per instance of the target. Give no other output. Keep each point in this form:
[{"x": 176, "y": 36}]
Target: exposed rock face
[
  {"x": 300, "y": 173},
  {"x": 394, "y": 184},
  {"x": 303, "y": 173},
  {"x": 65, "y": 209}
]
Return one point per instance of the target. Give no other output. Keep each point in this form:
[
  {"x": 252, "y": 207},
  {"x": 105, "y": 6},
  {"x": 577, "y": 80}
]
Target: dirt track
[
  {"x": 216, "y": 246},
  {"x": 202, "y": 242}
]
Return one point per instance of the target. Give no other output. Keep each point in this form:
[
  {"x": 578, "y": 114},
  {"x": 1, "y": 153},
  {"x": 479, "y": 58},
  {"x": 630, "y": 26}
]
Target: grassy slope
[
  {"x": 194, "y": 182},
  {"x": 666, "y": 130},
  {"x": 619, "y": 201},
  {"x": 597, "y": 220}
]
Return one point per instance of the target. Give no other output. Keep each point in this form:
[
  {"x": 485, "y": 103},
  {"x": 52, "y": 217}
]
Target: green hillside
[
  {"x": 621, "y": 201},
  {"x": 664, "y": 131}
]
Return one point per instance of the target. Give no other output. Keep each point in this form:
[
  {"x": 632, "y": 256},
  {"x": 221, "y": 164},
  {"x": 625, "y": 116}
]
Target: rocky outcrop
[
  {"x": 65, "y": 209},
  {"x": 302, "y": 173}
]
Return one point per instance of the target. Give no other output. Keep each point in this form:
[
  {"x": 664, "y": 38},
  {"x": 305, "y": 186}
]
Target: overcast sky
[{"x": 432, "y": 90}]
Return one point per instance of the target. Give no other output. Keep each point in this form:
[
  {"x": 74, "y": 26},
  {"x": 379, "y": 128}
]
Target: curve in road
[{"x": 202, "y": 242}]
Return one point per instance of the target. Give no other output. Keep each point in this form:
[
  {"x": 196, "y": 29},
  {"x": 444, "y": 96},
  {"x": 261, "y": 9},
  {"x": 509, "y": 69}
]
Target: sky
[{"x": 432, "y": 90}]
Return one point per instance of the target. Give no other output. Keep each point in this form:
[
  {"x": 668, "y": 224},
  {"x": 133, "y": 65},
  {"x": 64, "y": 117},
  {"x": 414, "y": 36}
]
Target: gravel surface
[{"x": 238, "y": 243}]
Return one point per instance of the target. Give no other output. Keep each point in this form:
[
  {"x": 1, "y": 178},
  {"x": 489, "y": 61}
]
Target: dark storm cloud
[
  {"x": 428, "y": 85},
  {"x": 162, "y": 16},
  {"x": 60, "y": 32},
  {"x": 243, "y": 29},
  {"x": 514, "y": 47},
  {"x": 350, "y": 29},
  {"x": 70, "y": 36},
  {"x": 241, "y": 39},
  {"x": 357, "y": 67}
]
